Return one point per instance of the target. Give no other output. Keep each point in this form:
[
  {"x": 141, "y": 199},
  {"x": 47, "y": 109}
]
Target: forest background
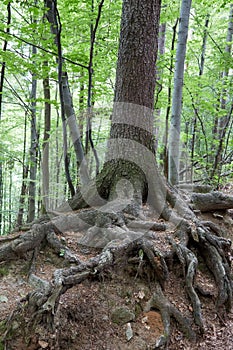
[{"x": 32, "y": 122}]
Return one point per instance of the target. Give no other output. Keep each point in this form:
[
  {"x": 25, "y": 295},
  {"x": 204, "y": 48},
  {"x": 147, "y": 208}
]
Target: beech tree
[
  {"x": 174, "y": 138},
  {"x": 2, "y": 77}
]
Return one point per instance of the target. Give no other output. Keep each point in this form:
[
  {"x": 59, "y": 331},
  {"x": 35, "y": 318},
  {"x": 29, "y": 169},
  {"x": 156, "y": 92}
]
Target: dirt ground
[{"x": 85, "y": 316}]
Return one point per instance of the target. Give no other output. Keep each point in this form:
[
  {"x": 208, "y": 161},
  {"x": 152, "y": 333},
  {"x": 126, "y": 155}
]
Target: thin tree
[
  {"x": 174, "y": 137},
  {"x": 25, "y": 173},
  {"x": 45, "y": 156},
  {"x": 223, "y": 122},
  {"x": 93, "y": 30},
  {"x": 196, "y": 112},
  {"x": 67, "y": 109},
  {"x": 33, "y": 148},
  {"x": 2, "y": 78},
  {"x": 169, "y": 99}
]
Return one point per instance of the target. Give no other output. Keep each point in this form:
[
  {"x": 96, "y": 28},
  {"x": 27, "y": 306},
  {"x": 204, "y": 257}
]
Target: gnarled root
[
  {"x": 159, "y": 301},
  {"x": 216, "y": 252}
]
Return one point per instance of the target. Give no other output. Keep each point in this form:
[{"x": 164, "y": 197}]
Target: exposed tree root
[
  {"x": 158, "y": 301},
  {"x": 216, "y": 252},
  {"x": 189, "y": 263},
  {"x": 135, "y": 243},
  {"x": 212, "y": 201}
]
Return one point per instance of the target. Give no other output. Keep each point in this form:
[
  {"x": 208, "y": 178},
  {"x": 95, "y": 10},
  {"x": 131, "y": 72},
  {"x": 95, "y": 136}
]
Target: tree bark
[
  {"x": 131, "y": 142},
  {"x": 212, "y": 201},
  {"x": 2, "y": 78},
  {"x": 223, "y": 122},
  {"x": 174, "y": 140},
  {"x": 68, "y": 113},
  {"x": 33, "y": 149},
  {"x": 45, "y": 156}
]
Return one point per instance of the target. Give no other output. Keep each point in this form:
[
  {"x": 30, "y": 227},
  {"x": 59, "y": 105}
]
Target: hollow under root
[{"x": 167, "y": 310}]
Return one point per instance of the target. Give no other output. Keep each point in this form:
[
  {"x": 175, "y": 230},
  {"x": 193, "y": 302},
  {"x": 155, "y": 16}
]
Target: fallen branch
[{"x": 211, "y": 201}]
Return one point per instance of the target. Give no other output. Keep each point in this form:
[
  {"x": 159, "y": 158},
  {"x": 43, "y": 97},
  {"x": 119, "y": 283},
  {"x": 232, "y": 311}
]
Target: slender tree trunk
[
  {"x": 25, "y": 173},
  {"x": 33, "y": 150},
  {"x": 203, "y": 49},
  {"x": 81, "y": 106},
  {"x": 159, "y": 73},
  {"x": 2, "y": 78},
  {"x": 33, "y": 143},
  {"x": 169, "y": 98},
  {"x": 174, "y": 138},
  {"x": 45, "y": 157},
  {"x": 67, "y": 109},
  {"x": 93, "y": 30},
  {"x": 11, "y": 165},
  {"x": 225, "y": 74},
  {"x": 223, "y": 122},
  {"x": 201, "y": 70},
  {"x": 3, "y": 68}
]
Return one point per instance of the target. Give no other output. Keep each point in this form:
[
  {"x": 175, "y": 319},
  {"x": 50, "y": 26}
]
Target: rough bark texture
[
  {"x": 212, "y": 201},
  {"x": 132, "y": 119}
]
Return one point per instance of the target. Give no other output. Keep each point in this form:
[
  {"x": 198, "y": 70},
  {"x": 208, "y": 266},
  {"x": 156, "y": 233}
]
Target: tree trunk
[
  {"x": 67, "y": 109},
  {"x": 174, "y": 140},
  {"x": 196, "y": 113},
  {"x": 131, "y": 142},
  {"x": 33, "y": 149},
  {"x": 45, "y": 156},
  {"x": 169, "y": 98},
  {"x": 2, "y": 78},
  {"x": 25, "y": 172},
  {"x": 159, "y": 72},
  {"x": 223, "y": 122},
  {"x": 90, "y": 102}
]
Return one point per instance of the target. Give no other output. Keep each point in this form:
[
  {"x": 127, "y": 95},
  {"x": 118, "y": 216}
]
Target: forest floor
[{"x": 85, "y": 318}]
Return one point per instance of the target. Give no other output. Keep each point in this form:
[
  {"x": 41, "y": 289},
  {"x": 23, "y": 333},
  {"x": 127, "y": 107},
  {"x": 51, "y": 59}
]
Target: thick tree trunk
[{"x": 131, "y": 142}]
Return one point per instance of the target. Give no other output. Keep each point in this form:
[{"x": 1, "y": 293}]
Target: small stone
[
  {"x": 129, "y": 332},
  {"x": 218, "y": 216},
  {"x": 122, "y": 315},
  {"x": 3, "y": 299},
  {"x": 43, "y": 344}
]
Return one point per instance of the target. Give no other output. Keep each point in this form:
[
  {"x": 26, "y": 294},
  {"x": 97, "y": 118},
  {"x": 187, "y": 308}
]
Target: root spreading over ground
[{"x": 140, "y": 282}]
